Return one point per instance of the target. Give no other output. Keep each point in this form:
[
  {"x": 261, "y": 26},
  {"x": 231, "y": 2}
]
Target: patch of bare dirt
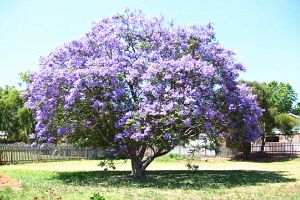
[{"x": 7, "y": 181}]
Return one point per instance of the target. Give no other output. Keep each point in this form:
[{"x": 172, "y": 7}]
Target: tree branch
[
  {"x": 133, "y": 94},
  {"x": 149, "y": 159},
  {"x": 142, "y": 151}
]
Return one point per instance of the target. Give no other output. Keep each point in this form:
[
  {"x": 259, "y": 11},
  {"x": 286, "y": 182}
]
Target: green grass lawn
[{"x": 166, "y": 179}]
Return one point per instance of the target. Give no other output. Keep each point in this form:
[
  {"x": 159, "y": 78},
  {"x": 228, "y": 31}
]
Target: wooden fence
[
  {"x": 277, "y": 147},
  {"x": 270, "y": 147},
  {"x": 24, "y": 153}
]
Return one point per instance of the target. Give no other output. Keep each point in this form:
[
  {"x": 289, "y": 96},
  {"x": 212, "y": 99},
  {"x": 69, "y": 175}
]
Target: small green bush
[
  {"x": 97, "y": 196},
  {"x": 176, "y": 156}
]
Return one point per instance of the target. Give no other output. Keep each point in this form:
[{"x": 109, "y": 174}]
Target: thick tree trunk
[
  {"x": 246, "y": 150},
  {"x": 136, "y": 156},
  {"x": 137, "y": 168},
  {"x": 138, "y": 162}
]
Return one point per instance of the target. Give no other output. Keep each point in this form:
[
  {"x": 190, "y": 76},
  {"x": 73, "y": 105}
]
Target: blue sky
[{"x": 265, "y": 34}]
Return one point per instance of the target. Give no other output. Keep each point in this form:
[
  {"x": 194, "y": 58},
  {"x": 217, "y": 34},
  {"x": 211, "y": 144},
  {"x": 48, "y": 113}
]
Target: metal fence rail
[
  {"x": 24, "y": 153},
  {"x": 277, "y": 147}
]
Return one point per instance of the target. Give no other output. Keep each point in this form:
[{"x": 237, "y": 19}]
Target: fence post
[
  {"x": 86, "y": 153},
  {"x": 11, "y": 155}
]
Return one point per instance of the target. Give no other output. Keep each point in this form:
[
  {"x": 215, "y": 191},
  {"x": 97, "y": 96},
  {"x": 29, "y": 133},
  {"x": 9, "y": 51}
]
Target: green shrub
[
  {"x": 97, "y": 196},
  {"x": 176, "y": 156}
]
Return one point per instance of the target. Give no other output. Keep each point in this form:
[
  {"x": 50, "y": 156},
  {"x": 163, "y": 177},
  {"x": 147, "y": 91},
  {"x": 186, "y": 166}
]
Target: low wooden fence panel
[
  {"x": 277, "y": 147},
  {"x": 24, "y": 153}
]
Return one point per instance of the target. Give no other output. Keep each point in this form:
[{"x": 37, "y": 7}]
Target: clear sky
[{"x": 265, "y": 34}]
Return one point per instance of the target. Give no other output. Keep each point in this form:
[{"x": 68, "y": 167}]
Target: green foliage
[
  {"x": 264, "y": 95},
  {"x": 107, "y": 164},
  {"x": 90, "y": 136},
  {"x": 97, "y": 196},
  {"x": 296, "y": 109},
  {"x": 15, "y": 120},
  {"x": 286, "y": 123},
  {"x": 176, "y": 156},
  {"x": 275, "y": 98},
  {"x": 282, "y": 96},
  {"x": 26, "y": 121},
  {"x": 10, "y": 102},
  {"x": 25, "y": 78},
  {"x": 144, "y": 44},
  {"x": 172, "y": 157}
]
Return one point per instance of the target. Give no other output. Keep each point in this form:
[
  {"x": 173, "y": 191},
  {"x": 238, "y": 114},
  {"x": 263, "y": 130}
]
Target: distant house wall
[
  {"x": 188, "y": 149},
  {"x": 3, "y": 135},
  {"x": 293, "y": 139},
  {"x": 283, "y": 139}
]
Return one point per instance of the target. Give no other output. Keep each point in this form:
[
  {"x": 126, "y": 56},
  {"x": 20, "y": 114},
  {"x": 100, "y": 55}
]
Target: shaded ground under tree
[{"x": 175, "y": 179}]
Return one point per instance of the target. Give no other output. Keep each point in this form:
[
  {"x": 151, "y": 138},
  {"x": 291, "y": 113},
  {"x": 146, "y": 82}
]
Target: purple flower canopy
[{"x": 156, "y": 82}]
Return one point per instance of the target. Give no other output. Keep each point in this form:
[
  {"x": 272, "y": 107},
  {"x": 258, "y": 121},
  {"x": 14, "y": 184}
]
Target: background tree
[
  {"x": 10, "y": 102},
  {"x": 282, "y": 96},
  {"x": 296, "y": 109},
  {"x": 286, "y": 124},
  {"x": 15, "y": 119},
  {"x": 276, "y": 99},
  {"x": 268, "y": 119},
  {"x": 142, "y": 83},
  {"x": 26, "y": 122}
]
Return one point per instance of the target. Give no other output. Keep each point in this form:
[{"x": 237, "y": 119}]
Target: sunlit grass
[{"x": 167, "y": 178}]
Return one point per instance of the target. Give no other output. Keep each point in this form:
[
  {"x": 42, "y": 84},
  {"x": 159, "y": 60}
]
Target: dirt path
[{"x": 7, "y": 181}]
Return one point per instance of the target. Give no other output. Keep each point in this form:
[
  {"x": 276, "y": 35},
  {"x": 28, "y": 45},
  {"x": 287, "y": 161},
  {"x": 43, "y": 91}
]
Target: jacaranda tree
[{"x": 142, "y": 84}]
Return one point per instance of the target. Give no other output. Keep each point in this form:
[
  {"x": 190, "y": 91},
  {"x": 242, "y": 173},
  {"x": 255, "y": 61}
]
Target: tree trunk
[
  {"x": 262, "y": 148},
  {"x": 263, "y": 142},
  {"x": 263, "y": 138},
  {"x": 137, "y": 168},
  {"x": 138, "y": 162},
  {"x": 246, "y": 150}
]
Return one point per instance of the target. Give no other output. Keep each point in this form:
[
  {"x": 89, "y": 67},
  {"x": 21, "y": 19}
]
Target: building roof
[{"x": 295, "y": 116}]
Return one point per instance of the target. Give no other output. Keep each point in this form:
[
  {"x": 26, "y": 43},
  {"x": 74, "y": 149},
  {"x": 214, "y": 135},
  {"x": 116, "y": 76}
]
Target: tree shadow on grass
[
  {"x": 263, "y": 157},
  {"x": 207, "y": 179}
]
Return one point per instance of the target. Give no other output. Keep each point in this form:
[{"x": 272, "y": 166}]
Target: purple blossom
[
  {"x": 187, "y": 122},
  {"x": 62, "y": 130},
  {"x": 32, "y": 136},
  {"x": 87, "y": 123},
  {"x": 79, "y": 83},
  {"x": 97, "y": 104},
  {"x": 166, "y": 136},
  {"x": 207, "y": 126},
  {"x": 33, "y": 144}
]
